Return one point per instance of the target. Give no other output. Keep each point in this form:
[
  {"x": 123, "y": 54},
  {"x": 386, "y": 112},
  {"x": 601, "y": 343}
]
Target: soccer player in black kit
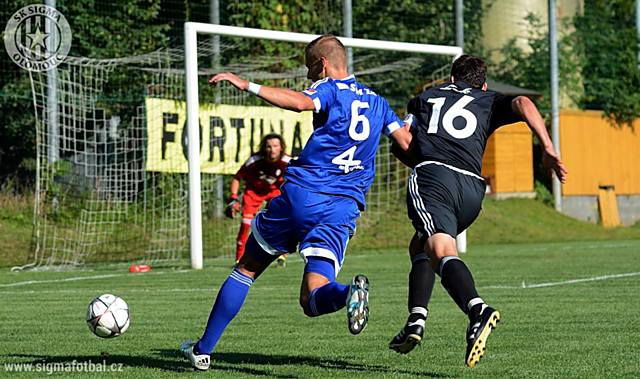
[{"x": 451, "y": 125}]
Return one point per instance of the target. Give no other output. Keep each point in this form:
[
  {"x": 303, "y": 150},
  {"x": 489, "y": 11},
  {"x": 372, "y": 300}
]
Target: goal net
[{"x": 113, "y": 144}]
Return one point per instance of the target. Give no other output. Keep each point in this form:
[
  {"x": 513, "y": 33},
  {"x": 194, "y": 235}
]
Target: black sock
[
  {"x": 458, "y": 281},
  {"x": 421, "y": 282},
  {"x": 474, "y": 312}
]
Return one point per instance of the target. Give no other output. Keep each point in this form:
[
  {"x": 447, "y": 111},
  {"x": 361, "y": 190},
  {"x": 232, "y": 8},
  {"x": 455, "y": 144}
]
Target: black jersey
[{"x": 452, "y": 123}]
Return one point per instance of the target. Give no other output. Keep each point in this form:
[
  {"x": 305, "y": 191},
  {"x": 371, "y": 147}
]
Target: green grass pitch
[{"x": 568, "y": 310}]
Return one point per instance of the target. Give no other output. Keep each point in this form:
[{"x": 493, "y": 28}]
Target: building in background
[{"x": 604, "y": 180}]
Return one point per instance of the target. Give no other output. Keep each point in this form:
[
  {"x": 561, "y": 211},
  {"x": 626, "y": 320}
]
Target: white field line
[
  {"x": 566, "y": 282},
  {"x": 571, "y": 246},
  {"x": 573, "y": 281},
  {"x": 212, "y": 290},
  {"x": 72, "y": 279},
  {"x": 262, "y": 288},
  {"x": 78, "y": 278}
]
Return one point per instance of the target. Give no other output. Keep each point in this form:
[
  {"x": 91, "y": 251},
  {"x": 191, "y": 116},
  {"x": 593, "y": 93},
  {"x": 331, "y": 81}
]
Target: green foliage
[
  {"x": 121, "y": 28},
  {"x": 530, "y": 67},
  {"x": 17, "y": 127},
  {"x": 543, "y": 194},
  {"x": 609, "y": 43},
  {"x": 293, "y": 16},
  {"x": 598, "y": 60},
  {"x": 16, "y": 213},
  {"x": 410, "y": 21},
  {"x": 430, "y": 22}
]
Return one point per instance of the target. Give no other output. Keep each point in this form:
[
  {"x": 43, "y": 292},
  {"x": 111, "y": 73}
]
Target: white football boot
[{"x": 199, "y": 362}]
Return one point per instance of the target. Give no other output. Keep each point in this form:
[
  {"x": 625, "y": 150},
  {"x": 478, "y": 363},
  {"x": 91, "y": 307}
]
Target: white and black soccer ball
[{"x": 108, "y": 316}]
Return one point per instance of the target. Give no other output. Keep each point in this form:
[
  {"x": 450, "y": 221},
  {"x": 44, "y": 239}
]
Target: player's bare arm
[
  {"x": 234, "y": 187},
  {"x": 403, "y": 137},
  {"x": 280, "y": 97},
  {"x": 523, "y": 106},
  {"x": 402, "y": 146}
]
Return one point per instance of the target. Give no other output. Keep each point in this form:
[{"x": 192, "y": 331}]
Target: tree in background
[
  {"x": 17, "y": 122},
  {"x": 598, "y": 65},
  {"x": 431, "y": 22},
  {"x": 608, "y": 45},
  {"x": 530, "y": 67},
  {"x": 121, "y": 28},
  {"x": 598, "y": 60}
]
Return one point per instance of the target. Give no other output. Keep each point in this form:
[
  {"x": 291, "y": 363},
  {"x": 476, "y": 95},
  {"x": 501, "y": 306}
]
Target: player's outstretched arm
[
  {"x": 280, "y": 97},
  {"x": 523, "y": 106}
]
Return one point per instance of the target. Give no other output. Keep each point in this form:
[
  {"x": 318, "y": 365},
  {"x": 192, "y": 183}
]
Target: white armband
[
  {"x": 254, "y": 88},
  {"x": 408, "y": 119}
]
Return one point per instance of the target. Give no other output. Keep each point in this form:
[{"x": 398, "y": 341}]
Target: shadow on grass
[
  {"x": 171, "y": 360},
  {"x": 234, "y": 361}
]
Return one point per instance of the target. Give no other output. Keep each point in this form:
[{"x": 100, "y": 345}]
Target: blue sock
[
  {"x": 329, "y": 298},
  {"x": 228, "y": 303}
]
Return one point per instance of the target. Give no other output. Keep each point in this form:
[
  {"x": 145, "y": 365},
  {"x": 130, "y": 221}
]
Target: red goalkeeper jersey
[{"x": 262, "y": 176}]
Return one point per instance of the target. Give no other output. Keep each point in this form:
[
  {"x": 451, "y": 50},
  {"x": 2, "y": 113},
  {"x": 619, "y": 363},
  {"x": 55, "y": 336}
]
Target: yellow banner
[{"x": 228, "y": 134}]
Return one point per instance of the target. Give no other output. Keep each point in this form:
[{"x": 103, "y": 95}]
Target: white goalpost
[{"x": 191, "y": 31}]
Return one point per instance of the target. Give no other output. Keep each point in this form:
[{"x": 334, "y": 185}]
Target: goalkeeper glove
[{"x": 233, "y": 206}]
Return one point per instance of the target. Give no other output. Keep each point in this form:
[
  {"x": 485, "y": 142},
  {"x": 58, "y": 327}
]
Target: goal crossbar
[{"x": 191, "y": 30}]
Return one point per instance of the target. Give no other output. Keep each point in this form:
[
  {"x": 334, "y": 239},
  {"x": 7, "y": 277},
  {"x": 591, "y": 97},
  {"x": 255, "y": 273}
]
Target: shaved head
[{"x": 329, "y": 47}]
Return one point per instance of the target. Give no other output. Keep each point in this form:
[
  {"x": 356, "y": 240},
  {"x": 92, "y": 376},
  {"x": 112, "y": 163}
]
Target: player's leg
[
  {"x": 250, "y": 205},
  {"x": 282, "y": 259},
  {"x": 457, "y": 279},
  {"x": 228, "y": 303},
  {"x": 330, "y": 223},
  {"x": 270, "y": 236},
  {"x": 233, "y": 292},
  {"x": 320, "y": 294},
  {"x": 455, "y": 276},
  {"x": 421, "y": 276},
  {"x": 421, "y": 282}
]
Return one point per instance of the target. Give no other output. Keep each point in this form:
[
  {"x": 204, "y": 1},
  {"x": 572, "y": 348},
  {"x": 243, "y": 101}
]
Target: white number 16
[{"x": 456, "y": 110}]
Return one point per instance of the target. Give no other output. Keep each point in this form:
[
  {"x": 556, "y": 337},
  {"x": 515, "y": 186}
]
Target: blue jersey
[{"x": 339, "y": 158}]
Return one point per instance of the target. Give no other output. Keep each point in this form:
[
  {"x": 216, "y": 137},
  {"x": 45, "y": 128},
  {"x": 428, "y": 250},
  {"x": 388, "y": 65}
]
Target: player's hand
[
  {"x": 551, "y": 161},
  {"x": 232, "y": 78},
  {"x": 233, "y": 206}
]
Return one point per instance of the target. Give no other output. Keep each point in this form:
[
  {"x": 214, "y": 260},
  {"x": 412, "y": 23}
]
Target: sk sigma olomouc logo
[{"x": 37, "y": 37}]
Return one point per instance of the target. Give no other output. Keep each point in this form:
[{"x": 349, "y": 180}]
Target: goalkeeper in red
[{"x": 263, "y": 174}]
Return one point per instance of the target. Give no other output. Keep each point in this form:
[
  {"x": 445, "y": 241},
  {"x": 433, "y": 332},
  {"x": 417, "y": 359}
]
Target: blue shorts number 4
[{"x": 321, "y": 224}]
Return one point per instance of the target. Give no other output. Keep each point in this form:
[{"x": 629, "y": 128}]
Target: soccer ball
[{"x": 108, "y": 316}]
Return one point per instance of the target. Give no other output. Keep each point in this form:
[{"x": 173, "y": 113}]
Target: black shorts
[{"x": 443, "y": 199}]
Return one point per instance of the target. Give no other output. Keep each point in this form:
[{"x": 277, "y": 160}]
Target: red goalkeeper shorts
[{"x": 251, "y": 202}]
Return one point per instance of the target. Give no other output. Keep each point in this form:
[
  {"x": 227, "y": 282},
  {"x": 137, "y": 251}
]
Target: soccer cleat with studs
[
  {"x": 200, "y": 361},
  {"x": 358, "y": 304},
  {"x": 409, "y": 337},
  {"x": 478, "y": 332}
]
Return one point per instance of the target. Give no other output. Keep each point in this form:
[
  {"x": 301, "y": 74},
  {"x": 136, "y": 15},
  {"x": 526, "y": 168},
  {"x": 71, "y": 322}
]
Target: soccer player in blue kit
[{"x": 323, "y": 194}]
